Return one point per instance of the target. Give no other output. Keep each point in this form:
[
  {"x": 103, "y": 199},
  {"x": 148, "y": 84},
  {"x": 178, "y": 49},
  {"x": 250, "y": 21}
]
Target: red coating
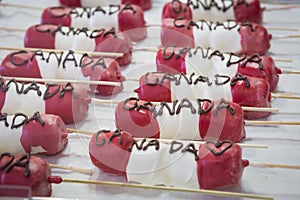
[
  {"x": 251, "y": 12},
  {"x": 112, "y": 157},
  {"x": 132, "y": 23},
  {"x": 174, "y": 36},
  {"x": 181, "y": 10},
  {"x": 52, "y": 137},
  {"x": 57, "y": 16},
  {"x": 258, "y": 95},
  {"x": 159, "y": 92},
  {"x": 71, "y": 108},
  {"x": 257, "y": 41},
  {"x": 223, "y": 126},
  {"x": 172, "y": 65},
  {"x": 221, "y": 170},
  {"x": 268, "y": 72},
  {"x": 37, "y": 181},
  {"x": 138, "y": 123}
]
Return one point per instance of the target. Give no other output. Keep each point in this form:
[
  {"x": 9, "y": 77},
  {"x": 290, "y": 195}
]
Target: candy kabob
[{"x": 34, "y": 172}]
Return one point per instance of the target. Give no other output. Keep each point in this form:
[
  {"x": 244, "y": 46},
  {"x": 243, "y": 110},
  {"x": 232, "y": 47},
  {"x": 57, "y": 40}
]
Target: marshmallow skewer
[
  {"x": 245, "y": 108},
  {"x": 167, "y": 141}
]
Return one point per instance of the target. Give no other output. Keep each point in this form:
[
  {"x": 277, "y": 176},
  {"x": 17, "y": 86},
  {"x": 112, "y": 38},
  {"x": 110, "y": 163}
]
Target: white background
[{"x": 283, "y": 141}]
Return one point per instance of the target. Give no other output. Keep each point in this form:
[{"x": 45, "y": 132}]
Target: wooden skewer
[
  {"x": 282, "y": 60},
  {"x": 285, "y": 96},
  {"x": 290, "y": 72},
  {"x": 271, "y": 123},
  {"x": 283, "y": 7},
  {"x": 12, "y": 29},
  {"x": 21, "y": 6},
  {"x": 74, "y": 169},
  {"x": 167, "y": 188},
  {"x": 262, "y": 146},
  {"x": 272, "y": 165},
  {"x": 282, "y": 29},
  {"x": 245, "y": 108},
  {"x": 105, "y": 54},
  {"x": 109, "y": 83}
]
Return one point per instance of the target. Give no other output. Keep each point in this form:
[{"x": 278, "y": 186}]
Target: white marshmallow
[
  {"x": 11, "y": 137},
  {"x": 218, "y": 38},
  {"x": 155, "y": 167},
  {"x": 25, "y": 103},
  {"x": 179, "y": 126}
]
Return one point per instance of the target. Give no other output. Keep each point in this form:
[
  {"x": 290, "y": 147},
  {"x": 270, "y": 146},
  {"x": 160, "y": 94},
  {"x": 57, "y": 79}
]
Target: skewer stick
[
  {"x": 105, "y": 54},
  {"x": 175, "y": 189},
  {"x": 282, "y": 29},
  {"x": 21, "y": 6},
  {"x": 271, "y": 123},
  {"x": 285, "y": 96},
  {"x": 289, "y": 72},
  {"x": 282, "y": 60},
  {"x": 12, "y": 29},
  {"x": 245, "y": 108},
  {"x": 283, "y": 7},
  {"x": 74, "y": 169},
  {"x": 109, "y": 83},
  {"x": 272, "y": 165},
  {"x": 262, "y": 146}
]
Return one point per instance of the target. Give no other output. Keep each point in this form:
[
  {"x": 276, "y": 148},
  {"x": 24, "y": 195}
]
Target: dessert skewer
[
  {"x": 41, "y": 178},
  {"x": 219, "y": 10},
  {"x": 200, "y": 119},
  {"x": 64, "y": 65}
]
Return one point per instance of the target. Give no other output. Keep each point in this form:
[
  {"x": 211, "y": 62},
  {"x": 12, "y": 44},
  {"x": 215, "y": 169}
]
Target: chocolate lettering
[
  {"x": 17, "y": 115},
  {"x": 70, "y": 57},
  {"x": 216, "y": 149},
  {"x": 5, "y": 165},
  {"x": 118, "y": 134},
  {"x": 174, "y": 149},
  {"x": 53, "y": 9},
  {"x": 134, "y": 143},
  {"x": 154, "y": 143},
  {"x": 240, "y": 77},
  {"x": 18, "y": 61},
  {"x": 36, "y": 117},
  {"x": 33, "y": 86},
  {"x": 49, "y": 92},
  {"x": 67, "y": 88},
  {"x": 3, "y": 117},
  {"x": 129, "y": 7},
  {"x": 186, "y": 103},
  {"x": 21, "y": 162},
  {"x": 103, "y": 139},
  {"x": 223, "y": 104},
  {"x": 191, "y": 149}
]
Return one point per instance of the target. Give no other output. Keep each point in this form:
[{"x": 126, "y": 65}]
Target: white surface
[{"x": 283, "y": 141}]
